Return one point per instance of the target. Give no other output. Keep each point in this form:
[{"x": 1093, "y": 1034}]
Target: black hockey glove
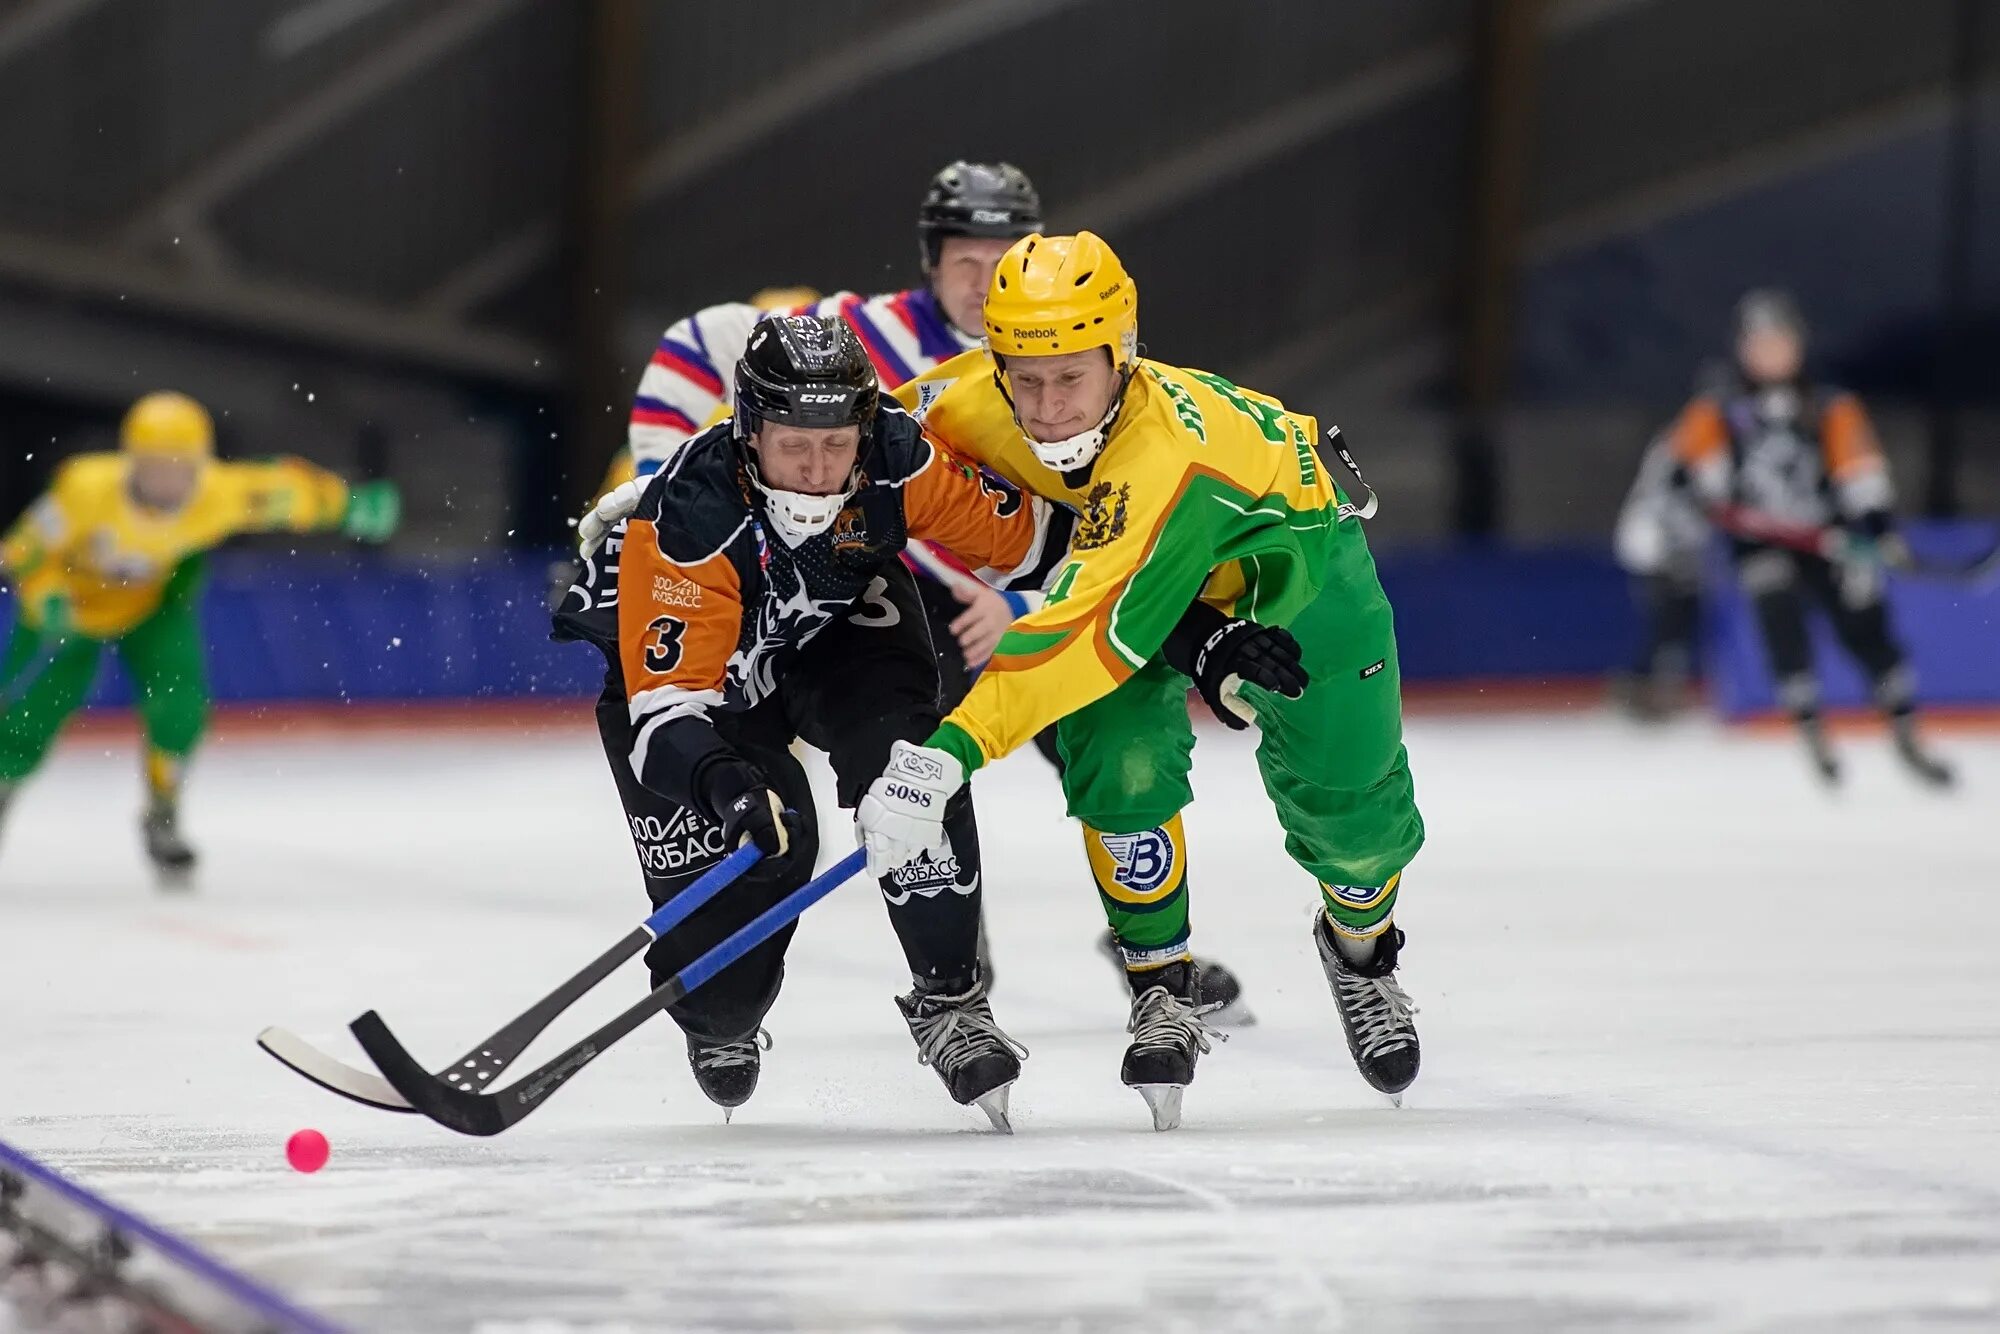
[
  {"x": 1222, "y": 654},
  {"x": 738, "y": 798}
]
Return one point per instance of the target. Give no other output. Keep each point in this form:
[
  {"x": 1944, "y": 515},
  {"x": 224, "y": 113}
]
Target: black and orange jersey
[
  {"x": 700, "y": 605},
  {"x": 1807, "y": 456}
]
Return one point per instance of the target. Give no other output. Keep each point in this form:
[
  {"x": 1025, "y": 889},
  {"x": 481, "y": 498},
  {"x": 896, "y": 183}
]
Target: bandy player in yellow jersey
[
  {"x": 1187, "y": 489},
  {"x": 113, "y": 555}
]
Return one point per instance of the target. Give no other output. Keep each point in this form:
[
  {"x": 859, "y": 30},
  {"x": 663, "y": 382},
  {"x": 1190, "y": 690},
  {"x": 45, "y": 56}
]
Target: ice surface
[{"x": 1704, "y": 1048}]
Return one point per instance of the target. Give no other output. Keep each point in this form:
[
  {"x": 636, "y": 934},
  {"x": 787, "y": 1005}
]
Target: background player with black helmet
[
  {"x": 1791, "y": 469},
  {"x": 756, "y": 598},
  {"x": 971, "y": 213}
]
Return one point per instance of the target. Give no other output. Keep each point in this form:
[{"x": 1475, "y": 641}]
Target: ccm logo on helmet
[
  {"x": 1035, "y": 333},
  {"x": 822, "y": 398}
]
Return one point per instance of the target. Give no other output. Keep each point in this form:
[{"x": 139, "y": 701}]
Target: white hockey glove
[
  {"x": 902, "y": 816},
  {"x": 612, "y": 508}
]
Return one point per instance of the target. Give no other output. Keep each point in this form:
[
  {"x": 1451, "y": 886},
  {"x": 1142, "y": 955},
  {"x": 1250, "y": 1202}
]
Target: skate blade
[
  {"x": 994, "y": 1103},
  {"x": 174, "y": 879},
  {"x": 1164, "y": 1102},
  {"x": 728, "y": 1115}
]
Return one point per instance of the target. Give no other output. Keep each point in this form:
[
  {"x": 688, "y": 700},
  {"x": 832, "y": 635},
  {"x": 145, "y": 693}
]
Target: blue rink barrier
[
  {"x": 261, "y": 1308},
  {"x": 370, "y": 628},
  {"x": 1951, "y": 630}
]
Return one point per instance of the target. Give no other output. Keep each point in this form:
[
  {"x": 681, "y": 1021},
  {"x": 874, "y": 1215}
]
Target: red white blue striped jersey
[{"x": 693, "y": 369}]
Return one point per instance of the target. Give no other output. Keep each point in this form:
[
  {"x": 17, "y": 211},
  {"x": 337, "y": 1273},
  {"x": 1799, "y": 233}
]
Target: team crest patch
[
  {"x": 1103, "y": 521},
  {"x": 1144, "y": 861},
  {"x": 850, "y": 534}
]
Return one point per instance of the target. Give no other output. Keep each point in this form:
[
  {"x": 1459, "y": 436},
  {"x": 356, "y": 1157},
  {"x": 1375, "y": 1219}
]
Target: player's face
[
  {"x": 164, "y": 484},
  {"x": 964, "y": 271},
  {"x": 812, "y": 460},
  {"x": 1064, "y": 395},
  {"x": 1770, "y": 354}
]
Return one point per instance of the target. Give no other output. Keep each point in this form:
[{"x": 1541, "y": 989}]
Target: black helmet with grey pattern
[
  {"x": 805, "y": 370},
  {"x": 976, "y": 199}
]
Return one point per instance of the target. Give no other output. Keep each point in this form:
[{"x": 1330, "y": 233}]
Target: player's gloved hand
[
  {"x": 612, "y": 508},
  {"x": 902, "y": 816},
  {"x": 1245, "y": 653},
  {"x": 373, "y": 511},
  {"x": 749, "y": 810}
]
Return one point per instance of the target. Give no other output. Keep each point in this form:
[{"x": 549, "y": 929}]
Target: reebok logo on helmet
[{"x": 1048, "y": 332}]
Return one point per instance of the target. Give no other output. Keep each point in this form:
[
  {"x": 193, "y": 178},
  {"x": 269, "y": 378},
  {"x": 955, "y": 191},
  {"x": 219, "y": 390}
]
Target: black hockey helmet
[
  {"x": 805, "y": 370},
  {"x": 976, "y": 199}
]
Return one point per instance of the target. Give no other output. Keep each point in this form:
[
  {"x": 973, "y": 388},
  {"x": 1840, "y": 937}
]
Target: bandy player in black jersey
[
  {"x": 1792, "y": 471},
  {"x": 756, "y": 597}
]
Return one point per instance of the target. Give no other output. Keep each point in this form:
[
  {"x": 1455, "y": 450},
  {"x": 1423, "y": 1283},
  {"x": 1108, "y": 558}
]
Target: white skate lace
[
  {"x": 1162, "y": 1020},
  {"x": 1380, "y": 1011},
  {"x": 724, "y": 1055},
  {"x": 957, "y": 1030}
]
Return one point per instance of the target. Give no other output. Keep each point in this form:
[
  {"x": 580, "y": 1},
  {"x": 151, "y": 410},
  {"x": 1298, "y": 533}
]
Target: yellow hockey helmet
[
  {"x": 1056, "y": 294},
  {"x": 168, "y": 425},
  {"x": 784, "y": 298}
]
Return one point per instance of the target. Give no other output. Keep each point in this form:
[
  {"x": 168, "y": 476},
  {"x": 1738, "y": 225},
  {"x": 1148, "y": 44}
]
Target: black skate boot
[
  {"x": 1928, "y": 768},
  {"x": 1219, "y": 996},
  {"x": 1374, "y": 1011},
  {"x": 1168, "y": 1037},
  {"x": 165, "y": 848},
  {"x": 727, "y": 1071},
  {"x": 956, "y": 1036}
]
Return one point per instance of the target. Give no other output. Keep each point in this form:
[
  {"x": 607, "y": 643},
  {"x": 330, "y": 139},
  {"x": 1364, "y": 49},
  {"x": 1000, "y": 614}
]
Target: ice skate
[
  {"x": 727, "y": 1071},
  {"x": 1825, "y": 763},
  {"x": 1375, "y": 1012},
  {"x": 1168, "y": 1037},
  {"x": 165, "y": 848},
  {"x": 1219, "y": 995},
  {"x": 956, "y": 1036},
  {"x": 1928, "y": 768}
]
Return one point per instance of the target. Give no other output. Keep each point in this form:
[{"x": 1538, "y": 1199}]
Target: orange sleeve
[
  {"x": 1850, "y": 443},
  {"x": 677, "y": 624},
  {"x": 983, "y": 521},
  {"x": 1699, "y": 434}
]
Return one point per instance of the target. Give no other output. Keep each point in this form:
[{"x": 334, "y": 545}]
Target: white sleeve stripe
[{"x": 664, "y": 702}]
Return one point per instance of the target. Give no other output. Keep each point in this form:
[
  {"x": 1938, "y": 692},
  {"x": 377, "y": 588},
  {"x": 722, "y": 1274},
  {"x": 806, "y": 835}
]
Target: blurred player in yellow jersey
[{"x": 113, "y": 555}]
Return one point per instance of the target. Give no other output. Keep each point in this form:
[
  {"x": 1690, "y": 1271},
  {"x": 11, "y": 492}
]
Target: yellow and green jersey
[
  {"x": 1202, "y": 489},
  {"x": 88, "y": 540}
]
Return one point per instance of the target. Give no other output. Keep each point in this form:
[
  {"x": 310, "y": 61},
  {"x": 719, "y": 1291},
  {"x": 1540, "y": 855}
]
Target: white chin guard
[
  {"x": 1070, "y": 453},
  {"x": 798, "y": 516}
]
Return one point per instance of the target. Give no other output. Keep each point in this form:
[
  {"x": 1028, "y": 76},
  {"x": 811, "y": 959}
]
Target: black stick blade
[{"x": 469, "y": 1113}]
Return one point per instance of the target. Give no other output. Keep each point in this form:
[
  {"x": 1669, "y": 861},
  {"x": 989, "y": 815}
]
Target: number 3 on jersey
[{"x": 663, "y": 644}]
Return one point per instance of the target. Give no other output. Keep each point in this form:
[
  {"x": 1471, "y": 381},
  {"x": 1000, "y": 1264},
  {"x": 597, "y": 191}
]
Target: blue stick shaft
[
  {"x": 771, "y": 921},
  {"x": 682, "y": 905}
]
